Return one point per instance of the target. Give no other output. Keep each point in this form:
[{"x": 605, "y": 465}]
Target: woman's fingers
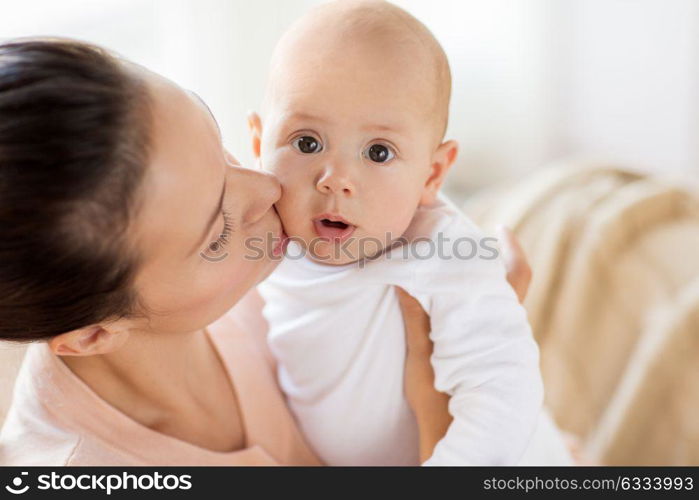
[
  {"x": 519, "y": 274},
  {"x": 417, "y": 324},
  {"x": 430, "y": 406}
]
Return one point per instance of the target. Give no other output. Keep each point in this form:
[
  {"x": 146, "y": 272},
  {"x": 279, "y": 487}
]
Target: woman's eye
[
  {"x": 378, "y": 153},
  {"x": 215, "y": 251},
  {"x": 308, "y": 144}
]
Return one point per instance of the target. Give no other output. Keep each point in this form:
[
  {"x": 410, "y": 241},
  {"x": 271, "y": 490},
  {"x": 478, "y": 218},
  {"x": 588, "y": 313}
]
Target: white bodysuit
[{"x": 338, "y": 335}]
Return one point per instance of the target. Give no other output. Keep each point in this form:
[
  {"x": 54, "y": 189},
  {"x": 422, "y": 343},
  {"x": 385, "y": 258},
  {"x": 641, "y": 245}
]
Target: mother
[{"x": 117, "y": 205}]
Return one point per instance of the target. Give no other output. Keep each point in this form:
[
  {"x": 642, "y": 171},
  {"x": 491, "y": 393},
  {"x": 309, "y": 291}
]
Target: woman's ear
[
  {"x": 96, "y": 339},
  {"x": 442, "y": 160},
  {"x": 255, "y": 127}
]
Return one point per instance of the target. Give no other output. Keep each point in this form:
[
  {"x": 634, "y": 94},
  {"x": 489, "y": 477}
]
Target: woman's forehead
[{"x": 184, "y": 168}]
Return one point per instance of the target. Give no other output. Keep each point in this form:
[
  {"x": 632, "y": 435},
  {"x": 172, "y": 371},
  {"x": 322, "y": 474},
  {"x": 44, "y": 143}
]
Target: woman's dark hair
[{"x": 74, "y": 126}]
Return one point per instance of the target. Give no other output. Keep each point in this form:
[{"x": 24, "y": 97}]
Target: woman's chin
[{"x": 269, "y": 269}]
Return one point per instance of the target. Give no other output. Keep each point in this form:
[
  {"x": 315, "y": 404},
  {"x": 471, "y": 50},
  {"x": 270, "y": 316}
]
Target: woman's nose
[
  {"x": 335, "y": 179},
  {"x": 260, "y": 190}
]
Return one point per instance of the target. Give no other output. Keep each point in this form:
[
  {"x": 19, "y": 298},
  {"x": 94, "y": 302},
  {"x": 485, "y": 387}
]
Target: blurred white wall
[
  {"x": 533, "y": 80},
  {"x": 498, "y": 54},
  {"x": 627, "y": 77}
]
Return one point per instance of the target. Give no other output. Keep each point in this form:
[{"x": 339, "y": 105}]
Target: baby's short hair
[
  {"x": 394, "y": 28},
  {"x": 391, "y": 24}
]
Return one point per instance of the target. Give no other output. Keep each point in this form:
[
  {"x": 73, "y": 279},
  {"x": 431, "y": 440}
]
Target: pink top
[{"x": 56, "y": 419}]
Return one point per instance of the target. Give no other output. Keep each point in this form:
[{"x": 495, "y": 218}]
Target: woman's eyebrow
[
  {"x": 208, "y": 109},
  {"x": 212, "y": 219}
]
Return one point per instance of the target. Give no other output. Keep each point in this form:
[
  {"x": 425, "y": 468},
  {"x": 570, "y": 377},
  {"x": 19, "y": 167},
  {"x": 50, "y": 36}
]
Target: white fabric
[{"x": 337, "y": 333}]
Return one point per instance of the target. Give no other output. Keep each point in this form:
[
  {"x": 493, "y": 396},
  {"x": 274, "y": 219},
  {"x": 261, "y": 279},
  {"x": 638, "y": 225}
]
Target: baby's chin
[
  {"x": 344, "y": 253},
  {"x": 330, "y": 261}
]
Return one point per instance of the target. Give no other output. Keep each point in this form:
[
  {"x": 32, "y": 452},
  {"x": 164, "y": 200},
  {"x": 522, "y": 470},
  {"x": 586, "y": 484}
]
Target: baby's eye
[
  {"x": 379, "y": 153},
  {"x": 308, "y": 144}
]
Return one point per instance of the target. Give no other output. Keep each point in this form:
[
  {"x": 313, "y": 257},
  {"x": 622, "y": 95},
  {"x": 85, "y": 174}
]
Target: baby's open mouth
[
  {"x": 334, "y": 223},
  {"x": 333, "y": 228}
]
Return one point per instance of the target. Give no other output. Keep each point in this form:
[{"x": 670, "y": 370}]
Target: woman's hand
[
  {"x": 429, "y": 405},
  {"x": 519, "y": 274}
]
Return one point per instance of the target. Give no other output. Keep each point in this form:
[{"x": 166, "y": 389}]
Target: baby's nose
[{"x": 335, "y": 180}]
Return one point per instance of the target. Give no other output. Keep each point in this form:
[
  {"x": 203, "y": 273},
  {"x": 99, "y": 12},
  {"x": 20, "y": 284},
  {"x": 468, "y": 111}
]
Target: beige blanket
[{"x": 614, "y": 304}]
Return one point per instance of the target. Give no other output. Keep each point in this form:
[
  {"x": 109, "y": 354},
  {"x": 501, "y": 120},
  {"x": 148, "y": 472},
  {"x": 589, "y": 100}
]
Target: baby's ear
[
  {"x": 442, "y": 160},
  {"x": 255, "y": 127}
]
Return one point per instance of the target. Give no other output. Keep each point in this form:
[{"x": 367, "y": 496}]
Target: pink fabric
[{"x": 56, "y": 419}]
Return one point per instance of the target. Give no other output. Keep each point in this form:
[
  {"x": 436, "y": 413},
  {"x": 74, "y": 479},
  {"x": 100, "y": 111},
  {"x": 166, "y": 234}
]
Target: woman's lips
[{"x": 333, "y": 228}]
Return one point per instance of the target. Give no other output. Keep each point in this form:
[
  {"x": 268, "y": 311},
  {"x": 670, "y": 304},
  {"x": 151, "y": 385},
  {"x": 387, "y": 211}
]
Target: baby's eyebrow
[
  {"x": 370, "y": 127},
  {"x": 389, "y": 128},
  {"x": 301, "y": 116},
  {"x": 383, "y": 127}
]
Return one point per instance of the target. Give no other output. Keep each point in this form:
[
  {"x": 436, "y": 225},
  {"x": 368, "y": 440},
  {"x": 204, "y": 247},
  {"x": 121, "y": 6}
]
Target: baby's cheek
[
  {"x": 271, "y": 164},
  {"x": 293, "y": 211},
  {"x": 285, "y": 168},
  {"x": 397, "y": 224},
  {"x": 397, "y": 206},
  {"x": 274, "y": 159}
]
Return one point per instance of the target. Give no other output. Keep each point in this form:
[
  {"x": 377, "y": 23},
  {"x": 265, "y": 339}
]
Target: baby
[{"x": 354, "y": 119}]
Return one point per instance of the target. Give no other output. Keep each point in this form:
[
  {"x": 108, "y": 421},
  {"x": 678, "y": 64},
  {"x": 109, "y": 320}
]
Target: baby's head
[{"x": 354, "y": 118}]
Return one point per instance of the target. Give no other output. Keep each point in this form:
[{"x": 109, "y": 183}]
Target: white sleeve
[{"x": 484, "y": 354}]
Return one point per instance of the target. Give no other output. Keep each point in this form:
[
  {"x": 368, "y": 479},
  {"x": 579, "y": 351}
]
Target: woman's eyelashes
[{"x": 224, "y": 237}]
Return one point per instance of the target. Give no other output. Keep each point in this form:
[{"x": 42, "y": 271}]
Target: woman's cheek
[{"x": 234, "y": 272}]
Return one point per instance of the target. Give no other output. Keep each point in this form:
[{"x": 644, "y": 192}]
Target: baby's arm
[{"x": 484, "y": 357}]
